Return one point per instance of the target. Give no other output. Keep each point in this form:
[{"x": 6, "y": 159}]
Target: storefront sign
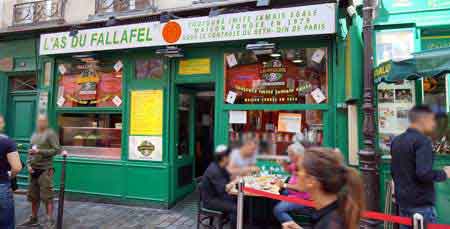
[
  {"x": 195, "y": 66},
  {"x": 147, "y": 148},
  {"x": 287, "y": 22},
  {"x": 434, "y": 42},
  {"x": 146, "y": 112}
]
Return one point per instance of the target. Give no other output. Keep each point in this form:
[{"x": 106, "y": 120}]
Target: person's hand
[
  {"x": 279, "y": 183},
  {"x": 33, "y": 151},
  {"x": 447, "y": 171},
  {"x": 291, "y": 225},
  {"x": 254, "y": 169},
  {"x": 30, "y": 170}
]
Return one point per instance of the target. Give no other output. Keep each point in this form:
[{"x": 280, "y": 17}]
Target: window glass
[
  {"x": 152, "y": 68},
  {"x": 434, "y": 92},
  {"x": 183, "y": 115},
  {"x": 287, "y": 76},
  {"x": 90, "y": 82},
  {"x": 396, "y": 44},
  {"x": 275, "y": 130},
  {"x": 91, "y": 135}
]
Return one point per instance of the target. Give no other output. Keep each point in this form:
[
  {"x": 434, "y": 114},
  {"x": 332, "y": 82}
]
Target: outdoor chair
[{"x": 206, "y": 217}]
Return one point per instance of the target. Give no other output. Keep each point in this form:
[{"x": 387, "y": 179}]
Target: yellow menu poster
[
  {"x": 195, "y": 66},
  {"x": 146, "y": 112}
]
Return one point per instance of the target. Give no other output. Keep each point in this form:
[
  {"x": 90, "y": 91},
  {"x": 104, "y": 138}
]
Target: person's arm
[
  {"x": 424, "y": 164},
  {"x": 53, "y": 142},
  {"x": 14, "y": 161},
  {"x": 218, "y": 183},
  {"x": 235, "y": 170}
]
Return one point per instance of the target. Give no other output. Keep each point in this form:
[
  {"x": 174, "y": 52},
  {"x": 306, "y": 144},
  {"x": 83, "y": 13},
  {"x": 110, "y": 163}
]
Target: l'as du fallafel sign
[{"x": 286, "y": 22}]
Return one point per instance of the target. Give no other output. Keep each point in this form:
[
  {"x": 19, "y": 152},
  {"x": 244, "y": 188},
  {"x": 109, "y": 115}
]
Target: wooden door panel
[{"x": 21, "y": 118}]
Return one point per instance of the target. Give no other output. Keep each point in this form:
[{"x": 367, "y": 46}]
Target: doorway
[
  {"x": 194, "y": 131},
  {"x": 22, "y": 107}
]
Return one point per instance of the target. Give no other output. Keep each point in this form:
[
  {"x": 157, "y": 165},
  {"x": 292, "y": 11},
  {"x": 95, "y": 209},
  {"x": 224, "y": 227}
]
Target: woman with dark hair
[{"x": 337, "y": 190}]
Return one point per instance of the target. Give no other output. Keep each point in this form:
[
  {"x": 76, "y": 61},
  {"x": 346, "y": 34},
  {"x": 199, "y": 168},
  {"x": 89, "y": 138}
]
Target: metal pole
[
  {"x": 367, "y": 156},
  {"x": 62, "y": 188},
  {"x": 418, "y": 221},
  {"x": 240, "y": 205}
]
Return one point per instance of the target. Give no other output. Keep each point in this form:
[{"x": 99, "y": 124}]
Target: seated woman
[
  {"x": 281, "y": 211},
  {"x": 337, "y": 190}
]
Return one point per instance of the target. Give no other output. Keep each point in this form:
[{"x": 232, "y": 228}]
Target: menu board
[
  {"x": 146, "y": 112},
  {"x": 394, "y": 103}
]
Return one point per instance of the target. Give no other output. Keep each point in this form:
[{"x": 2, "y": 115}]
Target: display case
[{"x": 91, "y": 135}]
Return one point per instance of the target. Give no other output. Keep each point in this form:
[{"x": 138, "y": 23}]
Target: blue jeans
[
  {"x": 6, "y": 206},
  {"x": 282, "y": 209},
  {"x": 429, "y": 214}
]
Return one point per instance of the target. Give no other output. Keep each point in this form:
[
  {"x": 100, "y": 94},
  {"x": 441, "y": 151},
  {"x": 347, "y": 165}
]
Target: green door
[
  {"x": 21, "y": 114},
  {"x": 184, "y": 137}
]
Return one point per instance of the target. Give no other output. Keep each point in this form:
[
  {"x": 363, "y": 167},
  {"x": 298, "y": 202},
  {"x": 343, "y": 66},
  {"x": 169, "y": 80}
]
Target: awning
[{"x": 429, "y": 63}]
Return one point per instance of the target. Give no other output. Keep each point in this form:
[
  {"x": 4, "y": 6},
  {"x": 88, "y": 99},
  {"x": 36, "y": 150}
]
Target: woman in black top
[{"x": 336, "y": 190}]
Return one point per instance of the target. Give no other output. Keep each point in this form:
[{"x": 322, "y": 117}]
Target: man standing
[
  {"x": 412, "y": 166},
  {"x": 216, "y": 185},
  {"x": 45, "y": 145},
  {"x": 10, "y": 166}
]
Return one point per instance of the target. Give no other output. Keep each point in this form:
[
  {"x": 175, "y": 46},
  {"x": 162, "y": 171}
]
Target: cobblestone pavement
[{"x": 88, "y": 215}]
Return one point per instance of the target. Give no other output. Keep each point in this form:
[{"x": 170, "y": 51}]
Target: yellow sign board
[
  {"x": 146, "y": 112},
  {"x": 196, "y": 66}
]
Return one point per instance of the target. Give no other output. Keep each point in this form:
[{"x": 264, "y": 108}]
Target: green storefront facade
[
  {"x": 403, "y": 27},
  {"x": 139, "y": 126}
]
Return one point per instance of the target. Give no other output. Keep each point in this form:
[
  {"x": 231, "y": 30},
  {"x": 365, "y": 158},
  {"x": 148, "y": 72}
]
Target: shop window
[
  {"x": 90, "y": 82},
  {"x": 287, "y": 76},
  {"x": 435, "y": 92},
  {"x": 275, "y": 130},
  {"x": 91, "y": 135},
  {"x": 152, "y": 68}
]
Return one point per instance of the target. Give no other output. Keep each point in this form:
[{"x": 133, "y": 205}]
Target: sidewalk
[{"x": 87, "y": 215}]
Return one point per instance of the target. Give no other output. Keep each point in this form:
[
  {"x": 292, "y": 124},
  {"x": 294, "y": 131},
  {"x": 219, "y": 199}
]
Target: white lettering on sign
[{"x": 287, "y": 22}]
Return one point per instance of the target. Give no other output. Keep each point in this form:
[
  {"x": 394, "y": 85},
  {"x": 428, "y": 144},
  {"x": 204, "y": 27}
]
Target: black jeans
[{"x": 227, "y": 206}]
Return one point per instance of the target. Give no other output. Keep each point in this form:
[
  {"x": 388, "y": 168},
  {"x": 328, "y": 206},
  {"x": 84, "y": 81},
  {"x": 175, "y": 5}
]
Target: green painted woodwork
[{"x": 156, "y": 182}]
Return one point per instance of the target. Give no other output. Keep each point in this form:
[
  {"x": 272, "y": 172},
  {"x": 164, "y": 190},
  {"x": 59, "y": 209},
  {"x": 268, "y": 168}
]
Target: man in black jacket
[
  {"x": 412, "y": 166},
  {"x": 216, "y": 185}
]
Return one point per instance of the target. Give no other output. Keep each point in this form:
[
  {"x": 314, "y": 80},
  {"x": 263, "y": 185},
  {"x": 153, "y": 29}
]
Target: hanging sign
[
  {"x": 195, "y": 66},
  {"x": 286, "y": 22},
  {"x": 146, "y": 112}
]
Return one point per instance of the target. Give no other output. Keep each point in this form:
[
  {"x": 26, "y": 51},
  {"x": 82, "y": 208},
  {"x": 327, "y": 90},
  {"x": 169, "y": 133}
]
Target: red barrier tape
[{"x": 367, "y": 214}]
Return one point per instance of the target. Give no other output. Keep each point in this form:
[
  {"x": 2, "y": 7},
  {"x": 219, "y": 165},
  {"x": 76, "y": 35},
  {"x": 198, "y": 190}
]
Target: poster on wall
[
  {"x": 394, "y": 103},
  {"x": 290, "y": 122},
  {"x": 146, "y": 148},
  {"x": 146, "y": 112}
]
